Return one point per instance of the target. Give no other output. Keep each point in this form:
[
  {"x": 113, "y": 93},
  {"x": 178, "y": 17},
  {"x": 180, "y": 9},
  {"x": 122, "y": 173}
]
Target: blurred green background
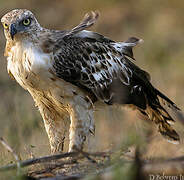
[{"x": 159, "y": 23}]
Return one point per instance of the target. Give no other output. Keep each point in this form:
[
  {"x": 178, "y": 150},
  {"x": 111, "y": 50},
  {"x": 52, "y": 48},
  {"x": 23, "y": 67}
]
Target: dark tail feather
[
  {"x": 156, "y": 111},
  {"x": 162, "y": 118},
  {"x": 149, "y": 104},
  {"x": 168, "y": 132},
  {"x": 168, "y": 101},
  {"x": 158, "y": 114}
]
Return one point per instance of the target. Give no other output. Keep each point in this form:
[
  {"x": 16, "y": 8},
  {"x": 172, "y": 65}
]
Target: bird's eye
[
  {"x": 5, "y": 26},
  {"x": 26, "y": 22}
]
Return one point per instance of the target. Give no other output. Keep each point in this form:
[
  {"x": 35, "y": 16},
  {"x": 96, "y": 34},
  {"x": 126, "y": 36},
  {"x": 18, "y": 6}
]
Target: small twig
[
  {"x": 52, "y": 167},
  {"x": 165, "y": 161},
  {"x": 39, "y": 160},
  {"x": 50, "y": 158},
  {"x": 86, "y": 155},
  {"x": 12, "y": 151}
]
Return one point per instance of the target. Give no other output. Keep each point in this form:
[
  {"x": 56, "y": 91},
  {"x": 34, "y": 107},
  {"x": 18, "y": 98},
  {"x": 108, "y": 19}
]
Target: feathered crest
[{"x": 88, "y": 20}]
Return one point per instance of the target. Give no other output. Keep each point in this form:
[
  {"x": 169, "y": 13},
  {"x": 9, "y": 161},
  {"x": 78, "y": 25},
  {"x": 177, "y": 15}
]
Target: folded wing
[{"x": 105, "y": 68}]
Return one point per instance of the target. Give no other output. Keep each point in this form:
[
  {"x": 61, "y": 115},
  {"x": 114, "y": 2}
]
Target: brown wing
[{"x": 101, "y": 66}]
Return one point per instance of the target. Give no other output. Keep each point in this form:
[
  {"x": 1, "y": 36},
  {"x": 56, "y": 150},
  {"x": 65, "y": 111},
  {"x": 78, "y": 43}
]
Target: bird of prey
[{"x": 67, "y": 71}]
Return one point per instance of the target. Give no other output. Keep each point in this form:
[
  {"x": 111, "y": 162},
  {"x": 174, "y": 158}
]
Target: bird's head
[{"x": 19, "y": 23}]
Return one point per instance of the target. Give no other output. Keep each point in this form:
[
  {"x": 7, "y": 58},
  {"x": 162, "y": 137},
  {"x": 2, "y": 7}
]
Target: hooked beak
[{"x": 13, "y": 31}]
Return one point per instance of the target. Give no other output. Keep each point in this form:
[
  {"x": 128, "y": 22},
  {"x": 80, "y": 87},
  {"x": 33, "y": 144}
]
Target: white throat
[{"x": 26, "y": 60}]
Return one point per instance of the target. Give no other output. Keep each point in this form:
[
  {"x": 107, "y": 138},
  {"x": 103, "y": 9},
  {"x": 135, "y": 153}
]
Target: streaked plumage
[{"x": 66, "y": 72}]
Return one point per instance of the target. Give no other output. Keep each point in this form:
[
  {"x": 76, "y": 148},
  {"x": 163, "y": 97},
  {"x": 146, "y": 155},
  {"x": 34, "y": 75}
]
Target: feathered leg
[
  {"x": 56, "y": 130},
  {"x": 82, "y": 122},
  {"x": 55, "y": 120}
]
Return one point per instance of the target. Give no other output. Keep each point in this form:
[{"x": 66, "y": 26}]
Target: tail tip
[{"x": 176, "y": 142}]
